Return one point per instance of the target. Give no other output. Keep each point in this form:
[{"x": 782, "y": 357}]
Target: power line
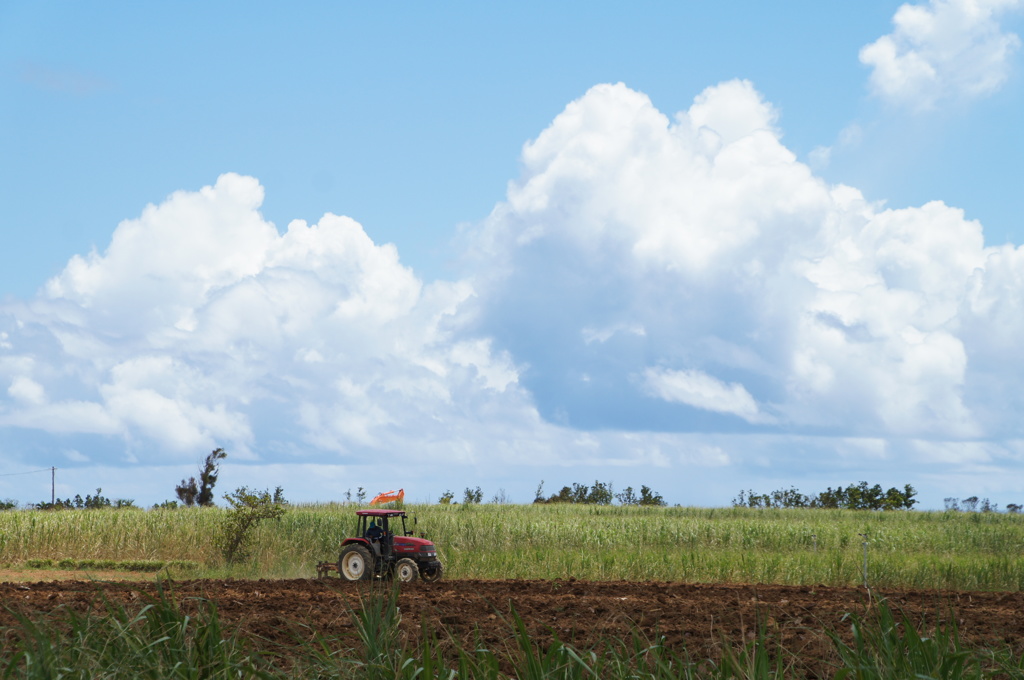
[
  {"x": 30, "y": 472},
  {"x": 53, "y": 479}
]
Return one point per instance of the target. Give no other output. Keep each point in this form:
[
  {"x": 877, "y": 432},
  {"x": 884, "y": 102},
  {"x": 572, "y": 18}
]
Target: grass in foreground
[{"x": 160, "y": 641}]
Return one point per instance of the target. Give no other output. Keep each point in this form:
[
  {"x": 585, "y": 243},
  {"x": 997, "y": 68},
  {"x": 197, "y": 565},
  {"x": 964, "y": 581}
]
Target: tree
[
  {"x": 191, "y": 493},
  {"x": 580, "y": 492},
  {"x": 974, "y": 504},
  {"x": 627, "y": 497},
  {"x": 471, "y": 496},
  {"x": 789, "y": 498},
  {"x": 187, "y": 491},
  {"x": 649, "y": 497},
  {"x": 248, "y": 509},
  {"x": 446, "y": 498},
  {"x": 279, "y": 496},
  {"x": 563, "y": 496},
  {"x": 600, "y": 494}
]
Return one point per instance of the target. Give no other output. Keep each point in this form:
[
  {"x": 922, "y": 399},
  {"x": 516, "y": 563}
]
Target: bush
[{"x": 248, "y": 510}]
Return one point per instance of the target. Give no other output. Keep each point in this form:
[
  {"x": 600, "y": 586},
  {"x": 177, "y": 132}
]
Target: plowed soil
[{"x": 277, "y": 614}]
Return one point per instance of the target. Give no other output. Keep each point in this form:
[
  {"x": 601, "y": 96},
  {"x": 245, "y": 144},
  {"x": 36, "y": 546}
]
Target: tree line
[
  {"x": 853, "y": 497},
  {"x": 90, "y": 502},
  {"x": 600, "y": 493},
  {"x": 974, "y": 504},
  {"x": 862, "y": 496}
]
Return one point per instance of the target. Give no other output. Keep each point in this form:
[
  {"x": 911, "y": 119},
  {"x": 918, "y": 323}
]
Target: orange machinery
[{"x": 388, "y": 497}]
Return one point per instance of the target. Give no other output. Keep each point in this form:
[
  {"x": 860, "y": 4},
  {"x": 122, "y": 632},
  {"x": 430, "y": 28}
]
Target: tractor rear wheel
[
  {"x": 406, "y": 570},
  {"x": 355, "y": 563},
  {"x": 432, "y": 574}
]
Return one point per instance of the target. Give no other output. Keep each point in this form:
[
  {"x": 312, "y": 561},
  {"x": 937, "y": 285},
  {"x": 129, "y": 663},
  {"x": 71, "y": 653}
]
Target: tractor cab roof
[{"x": 380, "y": 513}]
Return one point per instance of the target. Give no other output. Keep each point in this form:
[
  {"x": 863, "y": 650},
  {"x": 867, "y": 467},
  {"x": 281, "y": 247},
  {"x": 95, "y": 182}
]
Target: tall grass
[{"x": 963, "y": 551}]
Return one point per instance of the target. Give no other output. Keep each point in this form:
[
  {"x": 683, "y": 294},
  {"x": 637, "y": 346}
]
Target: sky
[{"x": 703, "y": 247}]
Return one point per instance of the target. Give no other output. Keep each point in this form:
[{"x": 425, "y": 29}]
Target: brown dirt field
[{"x": 277, "y": 613}]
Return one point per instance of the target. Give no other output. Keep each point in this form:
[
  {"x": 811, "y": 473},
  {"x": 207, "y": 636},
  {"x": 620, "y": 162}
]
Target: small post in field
[
  {"x": 814, "y": 537},
  {"x": 865, "y": 544}
]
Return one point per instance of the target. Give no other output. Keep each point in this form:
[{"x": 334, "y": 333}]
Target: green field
[{"x": 952, "y": 550}]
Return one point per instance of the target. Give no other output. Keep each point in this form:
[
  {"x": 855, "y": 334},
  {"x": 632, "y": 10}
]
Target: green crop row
[
  {"x": 179, "y": 566},
  {"x": 966, "y": 551}
]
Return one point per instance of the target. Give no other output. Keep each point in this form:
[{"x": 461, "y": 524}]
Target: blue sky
[{"x": 702, "y": 247}]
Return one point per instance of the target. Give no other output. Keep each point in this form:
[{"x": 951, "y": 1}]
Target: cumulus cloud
[
  {"x": 654, "y": 291},
  {"x": 200, "y": 319},
  {"x": 705, "y": 231},
  {"x": 943, "y": 50}
]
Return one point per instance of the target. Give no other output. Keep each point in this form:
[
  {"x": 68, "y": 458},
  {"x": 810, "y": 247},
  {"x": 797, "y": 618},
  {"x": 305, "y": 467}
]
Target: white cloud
[
  {"x": 944, "y": 50},
  {"x": 703, "y": 391},
  {"x": 497, "y": 373},
  {"x": 733, "y": 256},
  {"x": 27, "y": 390},
  {"x": 633, "y": 240},
  {"x": 174, "y": 404},
  {"x": 199, "y": 318},
  {"x": 64, "y": 417}
]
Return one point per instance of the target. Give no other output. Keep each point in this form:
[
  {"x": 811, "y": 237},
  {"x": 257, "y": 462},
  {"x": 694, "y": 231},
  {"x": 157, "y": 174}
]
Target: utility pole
[{"x": 53, "y": 485}]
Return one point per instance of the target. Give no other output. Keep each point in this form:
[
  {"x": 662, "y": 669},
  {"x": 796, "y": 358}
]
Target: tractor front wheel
[
  {"x": 406, "y": 570},
  {"x": 355, "y": 563},
  {"x": 432, "y": 574}
]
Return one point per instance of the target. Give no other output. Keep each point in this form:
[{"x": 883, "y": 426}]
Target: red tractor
[{"x": 379, "y": 550}]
